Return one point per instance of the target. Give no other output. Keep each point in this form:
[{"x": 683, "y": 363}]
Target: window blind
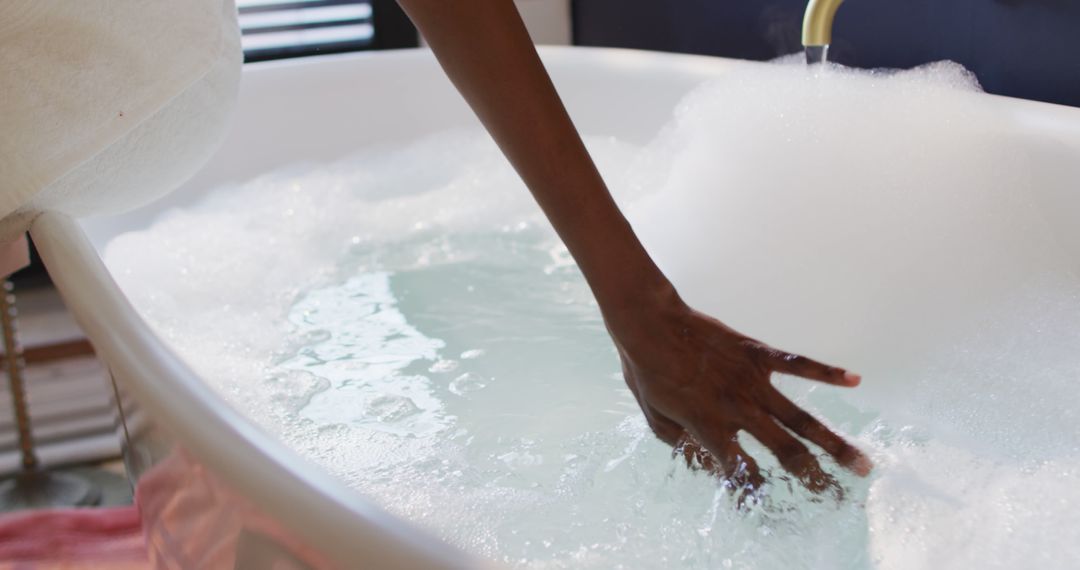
[{"x": 287, "y": 28}]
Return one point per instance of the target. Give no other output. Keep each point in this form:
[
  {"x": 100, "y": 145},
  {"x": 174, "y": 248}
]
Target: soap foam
[{"x": 406, "y": 319}]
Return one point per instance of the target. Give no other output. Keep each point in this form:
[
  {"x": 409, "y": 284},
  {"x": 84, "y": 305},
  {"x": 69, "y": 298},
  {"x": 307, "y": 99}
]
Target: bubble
[
  {"x": 390, "y": 409},
  {"x": 468, "y": 382}
]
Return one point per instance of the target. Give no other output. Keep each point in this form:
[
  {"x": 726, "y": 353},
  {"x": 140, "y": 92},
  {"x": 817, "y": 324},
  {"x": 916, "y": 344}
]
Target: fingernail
[
  {"x": 862, "y": 465},
  {"x": 852, "y": 379}
]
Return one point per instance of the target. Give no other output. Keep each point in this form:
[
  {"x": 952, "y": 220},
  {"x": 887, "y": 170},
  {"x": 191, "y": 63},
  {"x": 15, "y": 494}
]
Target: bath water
[{"x": 406, "y": 319}]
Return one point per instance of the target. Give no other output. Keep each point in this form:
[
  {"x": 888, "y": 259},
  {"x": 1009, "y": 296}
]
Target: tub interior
[{"x": 392, "y": 313}]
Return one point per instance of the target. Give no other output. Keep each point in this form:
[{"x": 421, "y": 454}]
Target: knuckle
[
  {"x": 749, "y": 412},
  {"x": 803, "y": 423},
  {"x": 758, "y": 352},
  {"x": 795, "y": 360}
]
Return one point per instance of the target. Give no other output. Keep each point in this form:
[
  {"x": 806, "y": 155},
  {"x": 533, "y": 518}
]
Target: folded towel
[{"x": 73, "y": 539}]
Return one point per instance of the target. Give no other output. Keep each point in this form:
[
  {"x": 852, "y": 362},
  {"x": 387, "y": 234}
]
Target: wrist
[{"x": 641, "y": 311}]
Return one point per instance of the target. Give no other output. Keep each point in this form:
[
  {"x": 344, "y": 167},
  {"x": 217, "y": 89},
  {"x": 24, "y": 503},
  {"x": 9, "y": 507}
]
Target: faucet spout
[{"x": 818, "y": 22}]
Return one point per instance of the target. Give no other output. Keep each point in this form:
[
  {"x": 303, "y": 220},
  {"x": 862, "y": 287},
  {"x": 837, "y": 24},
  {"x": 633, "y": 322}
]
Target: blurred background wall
[{"x": 1021, "y": 48}]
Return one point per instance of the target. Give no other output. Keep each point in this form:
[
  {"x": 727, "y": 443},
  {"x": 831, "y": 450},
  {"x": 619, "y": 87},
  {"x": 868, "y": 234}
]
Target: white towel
[{"x": 107, "y": 104}]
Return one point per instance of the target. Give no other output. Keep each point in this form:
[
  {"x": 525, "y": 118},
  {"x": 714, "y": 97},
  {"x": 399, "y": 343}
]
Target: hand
[{"x": 699, "y": 383}]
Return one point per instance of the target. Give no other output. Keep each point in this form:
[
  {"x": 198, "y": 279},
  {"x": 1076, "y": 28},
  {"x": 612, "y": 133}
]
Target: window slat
[
  {"x": 347, "y": 13},
  {"x": 279, "y": 28},
  {"x": 358, "y": 33}
]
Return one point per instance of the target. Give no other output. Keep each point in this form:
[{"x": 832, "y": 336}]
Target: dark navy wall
[{"x": 1022, "y": 48}]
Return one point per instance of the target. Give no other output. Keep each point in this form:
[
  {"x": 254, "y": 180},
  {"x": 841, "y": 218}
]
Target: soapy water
[{"x": 406, "y": 319}]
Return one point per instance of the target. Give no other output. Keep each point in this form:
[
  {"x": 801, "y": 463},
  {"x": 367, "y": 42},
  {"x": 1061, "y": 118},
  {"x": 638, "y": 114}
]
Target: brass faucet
[{"x": 817, "y": 28}]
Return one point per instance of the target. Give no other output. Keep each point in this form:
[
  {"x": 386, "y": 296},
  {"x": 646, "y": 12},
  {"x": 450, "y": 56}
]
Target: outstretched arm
[{"x": 695, "y": 379}]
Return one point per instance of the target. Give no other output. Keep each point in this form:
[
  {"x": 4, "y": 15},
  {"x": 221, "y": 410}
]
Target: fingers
[
  {"x": 670, "y": 432},
  {"x": 742, "y": 477},
  {"x": 787, "y": 363},
  {"x": 737, "y": 466},
  {"x": 723, "y": 457},
  {"x": 808, "y": 427},
  {"x": 695, "y": 454},
  {"x": 682, "y": 443},
  {"x": 793, "y": 455}
]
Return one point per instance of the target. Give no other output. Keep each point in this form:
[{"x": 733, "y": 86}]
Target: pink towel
[
  {"x": 194, "y": 520},
  {"x": 186, "y": 519},
  {"x": 73, "y": 539}
]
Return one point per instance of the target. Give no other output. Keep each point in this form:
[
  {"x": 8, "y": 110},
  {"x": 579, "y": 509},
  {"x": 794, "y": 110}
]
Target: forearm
[{"x": 487, "y": 53}]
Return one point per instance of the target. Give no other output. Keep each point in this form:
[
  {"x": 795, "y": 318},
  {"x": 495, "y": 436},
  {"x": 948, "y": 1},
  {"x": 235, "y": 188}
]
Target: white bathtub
[{"x": 322, "y": 109}]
